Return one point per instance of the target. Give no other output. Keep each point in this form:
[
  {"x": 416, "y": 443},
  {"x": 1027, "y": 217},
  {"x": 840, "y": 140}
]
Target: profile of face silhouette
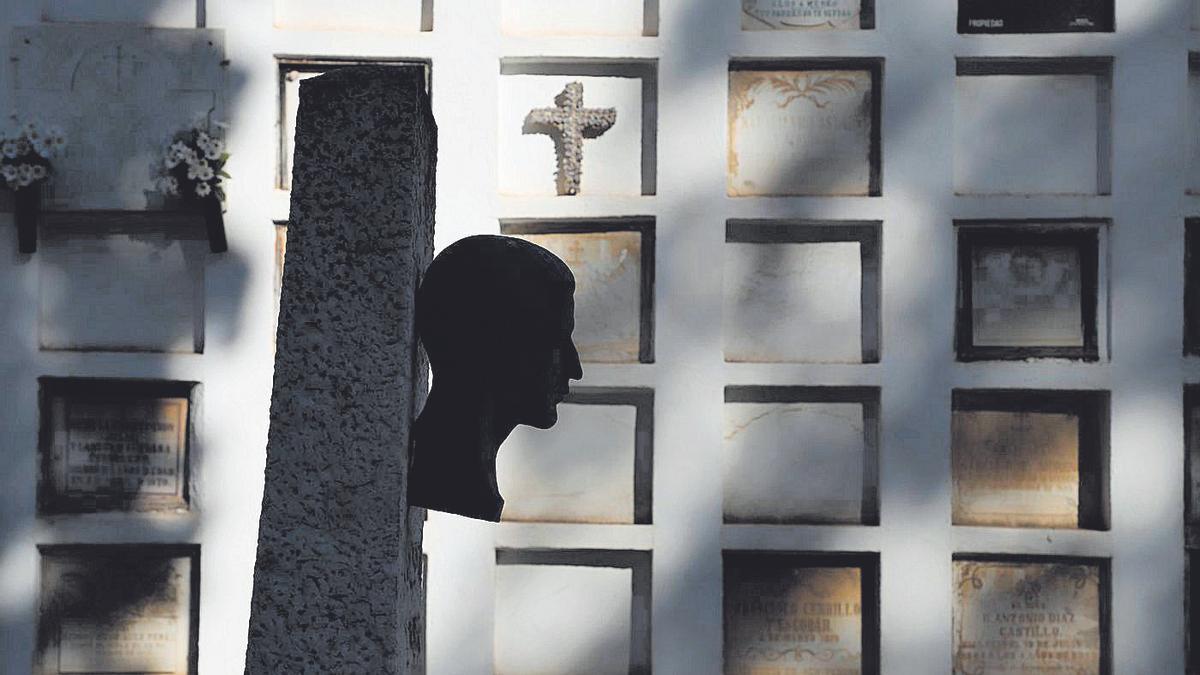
[{"x": 495, "y": 315}]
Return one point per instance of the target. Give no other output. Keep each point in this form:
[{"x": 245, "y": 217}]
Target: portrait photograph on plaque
[
  {"x": 118, "y": 609},
  {"x": 114, "y": 445},
  {"x": 1030, "y": 458},
  {"x": 1027, "y": 291},
  {"x": 800, "y": 613},
  {"x": 1035, "y": 16}
]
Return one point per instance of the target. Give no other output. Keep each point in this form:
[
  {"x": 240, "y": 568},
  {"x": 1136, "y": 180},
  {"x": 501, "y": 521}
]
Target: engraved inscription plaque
[
  {"x": 1035, "y": 16},
  {"x": 1027, "y": 296},
  {"x": 1028, "y": 618},
  {"x": 117, "y": 609},
  {"x": 807, "y": 14},
  {"x": 785, "y": 615},
  {"x": 109, "y": 449},
  {"x": 802, "y": 132},
  {"x": 1015, "y": 469},
  {"x": 608, "y": 291}
]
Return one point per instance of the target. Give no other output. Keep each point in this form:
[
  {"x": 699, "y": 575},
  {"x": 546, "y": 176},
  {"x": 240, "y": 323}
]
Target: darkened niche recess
[
  {"x": 1191, "y": 464},
  {"x": 830, "y": 601},
  {"x": 1035, "y": 458},
  {"x": 1027, "y": 290},
  {"x": 114, "y": 445},
  {"x": 1035, "y": 16},
  {"x": 1193, "y": 606},
  {"x": 1191, "y": 292}
]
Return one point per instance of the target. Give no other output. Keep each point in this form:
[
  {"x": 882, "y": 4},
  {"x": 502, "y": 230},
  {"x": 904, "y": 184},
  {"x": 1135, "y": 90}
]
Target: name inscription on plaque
[
  {"x": 1026, "y": 618},
  {"x": 1035, "y": 16},
  {"x": 802, "y": 15},
  {"x": 118, "y": 453},
  {"x": 117, "y": 609},
  {"x": 784, "y": 619}
]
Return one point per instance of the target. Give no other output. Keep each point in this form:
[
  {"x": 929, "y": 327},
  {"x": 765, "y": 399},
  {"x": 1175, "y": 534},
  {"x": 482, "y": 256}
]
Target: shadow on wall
[{"x": 147, "y": 285}]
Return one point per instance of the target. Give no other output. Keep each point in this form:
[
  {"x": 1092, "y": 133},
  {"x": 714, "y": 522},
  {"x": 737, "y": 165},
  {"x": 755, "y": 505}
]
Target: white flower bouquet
[
  {"x": 26, "y": 151},
  {"x": 194, "y": 165}
]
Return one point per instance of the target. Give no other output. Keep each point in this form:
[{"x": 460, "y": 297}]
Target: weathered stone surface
[{"x": 337, "y": 584}]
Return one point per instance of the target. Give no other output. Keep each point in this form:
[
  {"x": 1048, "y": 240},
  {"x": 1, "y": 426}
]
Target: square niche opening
[
  {"x": 1030, "y": 458},
  {"x": 550, "y": 18},
  {"x": 114, "y": 445},
  {"x": 805, "y": 15},
  {"x": 801, "y": 455},
  {"x": 405, "y": 16},
  {"x": 603, "y": 142},
  {"x": 572, "y": 612},
  {"x": 1028, "y": 290},
  {"x": 118, "y": 609},
  {"x": 800, "y": 127},
  {"x": 801, "y": 291},
  {"x": 295, "y": 69},
  {"x": 1031, "y": 614},
  {"x": 1035, "y": 16},
  {"x": 815, "y": 612},
  {"x": 595, "y": 467},
  {"x": 613, "y": 263},
  {"x": 1029, "y": 126},
  {"x": 121, "y": 282}
]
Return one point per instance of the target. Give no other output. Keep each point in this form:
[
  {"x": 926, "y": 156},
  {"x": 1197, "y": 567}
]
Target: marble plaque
[
  {"x": 115, "y": 613},
  {"x": 358, "y": 15},
  {"x": 1015, "y": 469},
  {"x": 563, "y": 620},
  {"x": 118, "y": 453},
  {"x": 146, "y": 83},
  {"x": 1026, "y": 618},
  {"x": 545, "y": 18},
  {"x": 157, "y": 13},
  {"x": 1027, "y": 134},
  {"x": 1026, "y": 296},
  {"x": 785, "y": 619},
  {"x": 608, "y": 291},
  {"x": 117, "y": 291},
  {"x": 799, "y": 132},
  {"x": 793, "y": 302},
  {"x": 612, "y": 162},
  {"x": 582, "y": 471},
  {"x": 801, "y": 14},
  {"x": 795, "y": 463}
]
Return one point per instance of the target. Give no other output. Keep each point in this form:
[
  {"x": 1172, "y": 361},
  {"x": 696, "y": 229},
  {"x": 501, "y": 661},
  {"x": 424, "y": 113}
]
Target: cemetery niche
[
  {"x": 801, "y": 291},
  {"x": 613, "y": 263},
  {"x": 595, "y": 466},
  {"x": 808, "y": 15},
  {"x": 1030, "y": 458},
  {"x": 552, "y": 143},
  {"x": 1030, "y": 615},
  {"x": 1191, "y": 437},
  {"x": 800, "y": 613},
  {"x": 1028, "y": 290},
  {"x": 804, "y": 127},
  {"x": 572, "y": 612},
  {"x": 1035, "y": 16},
  {"x": 118, "y": 609},
  {"x": 397, "y": 16},
  {"x": 1033, "y": 126},
  {"x": 1191, "y": 289},
  {"x": 552, "y": 18},
  {"x": 114, "y": 445},
  {"x": 801, "y": 455}
]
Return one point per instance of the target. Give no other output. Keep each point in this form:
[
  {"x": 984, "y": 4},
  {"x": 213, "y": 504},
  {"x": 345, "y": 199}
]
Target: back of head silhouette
[{"x": 495, "y": 315}]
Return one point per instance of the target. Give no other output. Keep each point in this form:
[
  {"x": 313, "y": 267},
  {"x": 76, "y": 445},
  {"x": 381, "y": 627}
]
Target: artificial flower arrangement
[
  {"x": 193, "y": 168},
  {"x": 25, "y": 154}
]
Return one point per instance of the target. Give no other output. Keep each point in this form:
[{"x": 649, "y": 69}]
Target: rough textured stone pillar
[{"x": 337, "y": 582}]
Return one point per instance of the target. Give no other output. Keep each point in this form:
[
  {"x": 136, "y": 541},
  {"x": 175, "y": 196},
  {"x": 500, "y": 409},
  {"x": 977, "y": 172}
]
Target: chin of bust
[{"x": 542, "y": 420}]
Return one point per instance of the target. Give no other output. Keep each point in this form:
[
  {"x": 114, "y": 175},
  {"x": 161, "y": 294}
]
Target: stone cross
[
  {"x": 568, "y": 123},
  {"x": 337, "y": 580}
]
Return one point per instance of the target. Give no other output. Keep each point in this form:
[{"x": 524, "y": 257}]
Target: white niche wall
[
  {"x": 621, "y": 161},
  {"x": 595, "y": 466},
  {"x": 355, "y": 15},
  {"x": 545, "y": 18},
  {"x": 1033, "y": 126}
]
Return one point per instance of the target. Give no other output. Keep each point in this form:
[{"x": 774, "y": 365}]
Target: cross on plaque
[{"x": 568, "y": 123}]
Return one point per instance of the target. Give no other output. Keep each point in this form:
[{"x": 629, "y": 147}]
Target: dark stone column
[{"x": 337, "y": 581}]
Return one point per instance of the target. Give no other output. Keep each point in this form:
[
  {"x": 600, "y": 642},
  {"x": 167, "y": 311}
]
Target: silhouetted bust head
[{"x": 495, "y": 315}]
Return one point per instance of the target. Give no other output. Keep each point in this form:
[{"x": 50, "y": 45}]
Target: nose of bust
[{"x": 572, "y": 369}]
